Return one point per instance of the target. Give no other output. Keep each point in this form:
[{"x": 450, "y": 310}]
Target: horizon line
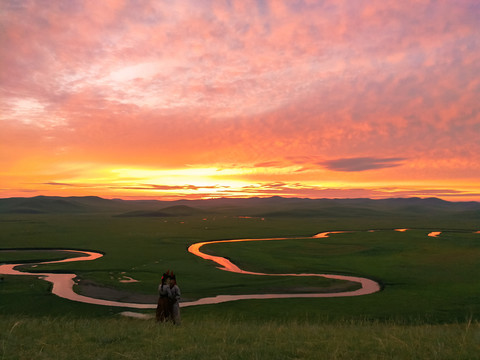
[{"x": 234, "y": 198}]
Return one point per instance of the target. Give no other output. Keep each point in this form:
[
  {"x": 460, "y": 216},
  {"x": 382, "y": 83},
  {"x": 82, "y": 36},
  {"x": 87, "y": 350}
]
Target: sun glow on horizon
[{"x": 222, "y": 181}]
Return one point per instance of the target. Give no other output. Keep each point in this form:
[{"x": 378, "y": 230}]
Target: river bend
[{"x": 63, "y": 283}]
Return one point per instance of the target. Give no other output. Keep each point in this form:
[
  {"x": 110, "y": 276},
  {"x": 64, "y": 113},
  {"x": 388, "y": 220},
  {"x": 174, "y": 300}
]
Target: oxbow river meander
[{"x": 63, "y": 283}]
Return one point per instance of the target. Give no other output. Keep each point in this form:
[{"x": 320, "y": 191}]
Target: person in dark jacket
[{"x": 164, "y": 293}]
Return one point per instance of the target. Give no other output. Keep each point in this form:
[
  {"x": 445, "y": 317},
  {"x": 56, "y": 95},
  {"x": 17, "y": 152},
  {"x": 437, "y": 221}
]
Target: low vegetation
[
  {"x": 428, "y": 307},
  {"x": 223, "y": 338}
]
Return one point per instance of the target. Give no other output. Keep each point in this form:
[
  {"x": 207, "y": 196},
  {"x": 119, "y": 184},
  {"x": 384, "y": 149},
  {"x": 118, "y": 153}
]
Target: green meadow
[{"x": 429, "y": 306}]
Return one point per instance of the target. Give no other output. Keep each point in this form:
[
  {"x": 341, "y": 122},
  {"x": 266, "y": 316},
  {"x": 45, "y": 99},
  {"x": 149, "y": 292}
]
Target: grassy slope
[{"x": 222, "y": 338}]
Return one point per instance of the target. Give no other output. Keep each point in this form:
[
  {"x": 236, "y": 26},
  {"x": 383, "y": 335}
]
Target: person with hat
[{"x": 163, "y": 306}]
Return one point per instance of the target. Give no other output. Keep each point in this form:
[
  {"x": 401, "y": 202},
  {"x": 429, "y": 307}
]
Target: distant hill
[
  {"x": 177, "y": 210},
  {"x": 57, "y": 204},
  {"x": 183, "y": 210},
  {"x": 274, "y": 207},
  {"x": 376, "y": 208},
  {"x": 41, "y": 204}
]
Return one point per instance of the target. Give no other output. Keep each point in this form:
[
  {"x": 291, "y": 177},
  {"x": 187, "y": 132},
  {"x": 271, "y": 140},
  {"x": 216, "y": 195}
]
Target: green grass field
[
  {"x": 218, "y": 337},
  {"x": 429, "y": 304}
]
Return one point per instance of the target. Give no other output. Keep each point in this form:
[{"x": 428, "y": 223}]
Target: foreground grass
[{"x": 209, "y": 338}]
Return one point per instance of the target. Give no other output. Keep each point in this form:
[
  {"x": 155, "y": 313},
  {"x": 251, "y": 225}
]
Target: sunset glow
[{"x": 204, "y": 99}]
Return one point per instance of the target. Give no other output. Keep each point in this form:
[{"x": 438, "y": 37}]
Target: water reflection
[
  {"x": 63, "y": 283},
  {"x": 367, "y": 286}
]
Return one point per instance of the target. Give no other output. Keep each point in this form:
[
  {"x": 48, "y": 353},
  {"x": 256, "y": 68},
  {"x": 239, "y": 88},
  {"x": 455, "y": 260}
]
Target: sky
[{"x": 201, "y": 99}]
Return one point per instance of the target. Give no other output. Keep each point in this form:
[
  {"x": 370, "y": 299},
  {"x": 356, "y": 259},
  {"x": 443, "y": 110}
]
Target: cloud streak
[{"x": 362, "y": 163}]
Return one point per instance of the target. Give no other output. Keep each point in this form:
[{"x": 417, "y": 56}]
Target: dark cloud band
[{"x": 361, "y": 163}]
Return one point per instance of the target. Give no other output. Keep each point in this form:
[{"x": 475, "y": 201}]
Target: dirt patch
[
  {"x": 92, "y": 289},
  {"x": 137, "y": 315}
]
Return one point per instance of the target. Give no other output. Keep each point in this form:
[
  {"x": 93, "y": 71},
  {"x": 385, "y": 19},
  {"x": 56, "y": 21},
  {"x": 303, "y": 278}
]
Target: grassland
[
  {"x": 223, "y": 338},
  {"x": 429, "y": 307}
]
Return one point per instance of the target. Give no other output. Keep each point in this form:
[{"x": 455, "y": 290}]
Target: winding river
[{"x": 63, "y": 283}]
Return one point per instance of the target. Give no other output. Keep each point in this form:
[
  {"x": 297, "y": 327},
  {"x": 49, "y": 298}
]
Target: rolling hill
[
  {"x": 273, "y": 207},
  {"x": 171, "y": 211}
]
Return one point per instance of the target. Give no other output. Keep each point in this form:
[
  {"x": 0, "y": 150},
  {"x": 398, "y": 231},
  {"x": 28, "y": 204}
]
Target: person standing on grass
[
  {"x": 163, "y": 306},
  {"x": 174, "y": 300}
]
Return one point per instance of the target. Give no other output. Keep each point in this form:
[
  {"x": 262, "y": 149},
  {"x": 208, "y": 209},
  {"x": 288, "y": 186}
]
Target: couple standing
[{"x": 168, "y": 307}]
